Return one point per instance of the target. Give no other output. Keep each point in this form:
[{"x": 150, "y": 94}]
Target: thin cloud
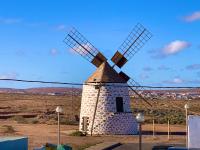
[
  {"x": 36, "y": 24},
  {"x": 64, "y": 72},
  {"x": 198, "y": 74},
  {"x": 11, "y": 75},
  {"x": 192, "y": 17},
  {"x": 175, "y": 47},
  {"x": 13, "y": 21},
  {"x": 171, "y": 48},
  {"x": 194, "y": 81},
  {"x": 147, "y": 69},
  {"x": 163, "y": 67},
  {"x": 174, "y": 81},
  {"x": 61, "y": 27},
  {"x": 144, "y": 76},
  {"x": 10, "y": 20},
  {"x": 193, "y": 67},
  {"x": 20, "y": 53},
  {"x": 53, "y": 52},
  {"x": 178, "y": 80}
]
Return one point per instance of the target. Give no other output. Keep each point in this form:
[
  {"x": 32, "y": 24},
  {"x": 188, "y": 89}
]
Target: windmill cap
[{"x": 105, "y": 74}]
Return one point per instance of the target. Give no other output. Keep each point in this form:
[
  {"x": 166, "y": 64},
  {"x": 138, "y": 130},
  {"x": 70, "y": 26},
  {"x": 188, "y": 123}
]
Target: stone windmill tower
[{"x": 105, "y": 104}]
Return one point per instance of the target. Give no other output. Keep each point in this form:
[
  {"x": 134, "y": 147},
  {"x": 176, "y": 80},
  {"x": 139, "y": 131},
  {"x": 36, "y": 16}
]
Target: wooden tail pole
[
  {"x": 95, "y": 110},
  {"x": 153, "y": 128},
  {"x": 168, "y": 122},
  {"x": 186, "y": 128}
]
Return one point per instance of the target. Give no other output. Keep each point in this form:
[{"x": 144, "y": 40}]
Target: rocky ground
[
  {"x": 33, "y": 115},
  {"x": 40, "y": 134}
]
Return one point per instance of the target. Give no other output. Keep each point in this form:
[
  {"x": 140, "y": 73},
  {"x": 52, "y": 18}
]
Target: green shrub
[
  {"x": 33, "y": 121},
  {"x": 162, "y": 116},
  {"x": 51, "y": 122},
  {"x": 7, "y": 129},
  {"x": 67, "y": 121},
  {"x": 20, "y": 119},
  {"x": 78, "y": 133}
]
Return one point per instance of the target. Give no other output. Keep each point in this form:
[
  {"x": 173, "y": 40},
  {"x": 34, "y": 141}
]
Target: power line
[
  {"x": 172, "y": 87},
  {"x": 43, "y": 82},
  {"x": 92, "y": 83}
]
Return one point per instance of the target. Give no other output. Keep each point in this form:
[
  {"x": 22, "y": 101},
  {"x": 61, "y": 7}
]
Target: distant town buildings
[
  {"x": 170, "y": 94},
  {"x": 185, "y": 94}
]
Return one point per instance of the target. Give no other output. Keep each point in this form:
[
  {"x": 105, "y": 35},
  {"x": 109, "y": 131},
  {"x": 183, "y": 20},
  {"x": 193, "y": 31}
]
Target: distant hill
[
  {"x": 51, "y": 90},
  {"x": 77, "y": 91},
  {"x": 194, "y": 90},
  {"x": 43, "y": 90},
  {"x": 11, "y": 90}
]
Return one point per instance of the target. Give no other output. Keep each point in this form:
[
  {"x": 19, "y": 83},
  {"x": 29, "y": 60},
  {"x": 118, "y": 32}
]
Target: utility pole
[
  {"x": 168, "y": 123},
  {"x": 59, "y": 110},
  {"x": 186, "y": 124},
  {"x": 140, "y": 119},
  {"x": 153, "y": 128}
]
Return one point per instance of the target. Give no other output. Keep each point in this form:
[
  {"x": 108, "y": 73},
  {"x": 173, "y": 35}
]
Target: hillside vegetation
[{"x": 38, "y": 108}]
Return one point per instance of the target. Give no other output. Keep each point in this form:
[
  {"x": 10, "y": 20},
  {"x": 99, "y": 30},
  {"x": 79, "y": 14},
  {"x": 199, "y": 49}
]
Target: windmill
[{"x": 105, "y": 103}]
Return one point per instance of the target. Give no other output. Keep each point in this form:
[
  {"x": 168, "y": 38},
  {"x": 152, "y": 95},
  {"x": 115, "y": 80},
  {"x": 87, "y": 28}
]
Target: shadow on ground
[
  {"x": 145, "y": 146},
  {"x": 162, "y": 133}
]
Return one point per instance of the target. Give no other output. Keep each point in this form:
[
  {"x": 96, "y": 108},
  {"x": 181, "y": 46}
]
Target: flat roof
[{"x": 2, "y": 139}]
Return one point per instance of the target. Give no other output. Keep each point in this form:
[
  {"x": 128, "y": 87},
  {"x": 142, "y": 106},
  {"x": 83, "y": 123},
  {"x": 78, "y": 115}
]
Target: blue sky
[{"x": 32, "y": 34}]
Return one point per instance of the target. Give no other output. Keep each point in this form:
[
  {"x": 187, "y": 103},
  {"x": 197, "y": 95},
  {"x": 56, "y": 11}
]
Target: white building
[{"x": 105, "y": 105}]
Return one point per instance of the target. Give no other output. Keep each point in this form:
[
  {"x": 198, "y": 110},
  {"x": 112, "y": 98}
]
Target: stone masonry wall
[{"x": 107, "y": 119}]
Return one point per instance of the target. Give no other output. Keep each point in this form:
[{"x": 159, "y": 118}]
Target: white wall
[
  {"x": 193, "y": 131},
  {"x": 107, "y": 121}
]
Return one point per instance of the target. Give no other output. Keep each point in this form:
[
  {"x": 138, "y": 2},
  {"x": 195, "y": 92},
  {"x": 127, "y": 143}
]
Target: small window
[{"x": 119, "y": 104}]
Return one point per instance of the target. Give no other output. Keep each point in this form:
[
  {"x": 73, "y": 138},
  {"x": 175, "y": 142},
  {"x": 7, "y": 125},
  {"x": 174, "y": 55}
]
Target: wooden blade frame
[
  {"x": 132, "y": 83},
  {"x": 140, "y": 96},
  {"x": 137, "y": 87},
  {"x": 124, "y": 76},
  {"x": 77, "y": 42},
  {"x": 119, "y": 59},
  {"x": 133, "y": 43}
]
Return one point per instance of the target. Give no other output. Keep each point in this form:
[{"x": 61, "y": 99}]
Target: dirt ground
[
  {"x": 34, "y": 116},
  {"x": 40, "y": 134},
  {"x": 41, "y": 108}
]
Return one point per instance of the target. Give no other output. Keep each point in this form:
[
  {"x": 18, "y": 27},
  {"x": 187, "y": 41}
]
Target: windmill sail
[
  {"x": 133, "y": 43},
  {"x": 134, "y": 86},
  {"x": 77, "y": 42},
  {"x": 140, "y": 96},
  {"x": 138, "y": 87}
]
